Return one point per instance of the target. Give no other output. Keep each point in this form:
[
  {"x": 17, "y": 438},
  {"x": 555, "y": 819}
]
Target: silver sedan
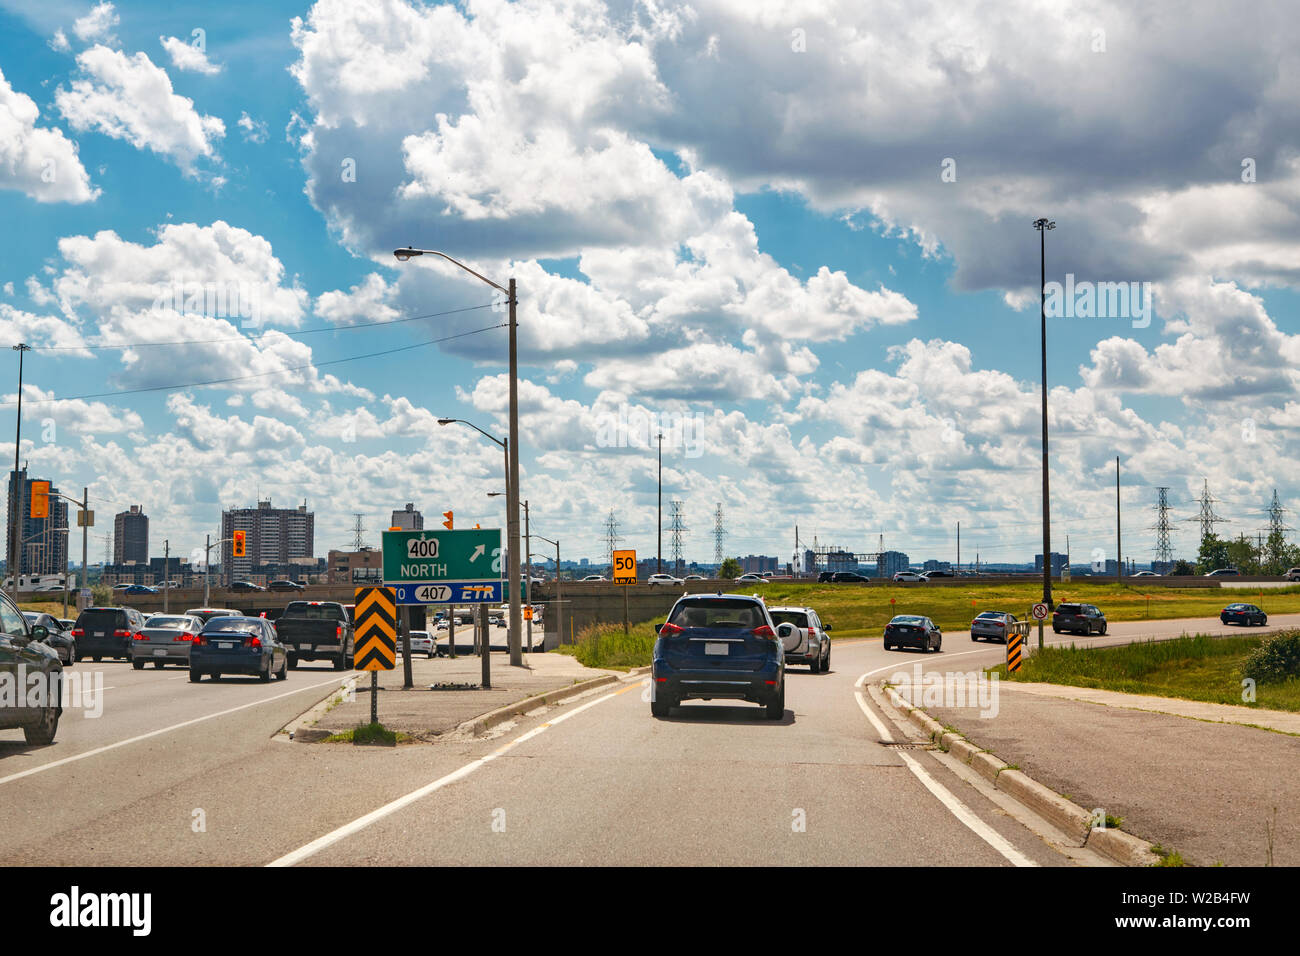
[
  {"x": 165, "y": 639},
  {"x": 992, "y": 626}
]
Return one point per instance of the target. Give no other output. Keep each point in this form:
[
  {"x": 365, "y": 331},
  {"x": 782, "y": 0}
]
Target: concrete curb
[
  {"x": 1124, "y": 848},
  {"x": 485, "y": 722}
]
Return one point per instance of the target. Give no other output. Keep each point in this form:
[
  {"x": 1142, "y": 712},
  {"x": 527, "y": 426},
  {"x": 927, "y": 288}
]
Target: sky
[{"x": 795, "y": 238}]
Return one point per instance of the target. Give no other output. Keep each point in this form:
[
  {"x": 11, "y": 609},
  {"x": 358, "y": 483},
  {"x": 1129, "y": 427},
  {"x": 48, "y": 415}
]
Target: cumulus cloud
[
  {"x": 253, "y": 131},
  {"x": 189, "y": 57},
  {"x": 97, "y": 25},
  {"x": 40, "y": 162},
  {"x": 131, "y": 99}
]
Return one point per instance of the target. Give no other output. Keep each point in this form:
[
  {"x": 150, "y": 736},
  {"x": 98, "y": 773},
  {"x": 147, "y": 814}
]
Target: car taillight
[
  {"x": 198, "y": 639},
  {"x": 253, "y": 642},
  {"x": 121, "y": 633},
  {"x": 669, "y": 630},
  {"x": 765, "y": 632},
  {"x": 997, "y": 624},
  {"x": 338, "y": 631},
  {"x": 78, "y": 632},
  {"x": 139, "y": 637}
]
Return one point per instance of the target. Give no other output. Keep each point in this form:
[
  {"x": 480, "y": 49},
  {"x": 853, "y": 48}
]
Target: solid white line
[
  {"x": 966, "y": 816},
  {"x": 154, "y": 733},
  {"x": 880, "y": 727},
  {"x": 315, "y": 846}
]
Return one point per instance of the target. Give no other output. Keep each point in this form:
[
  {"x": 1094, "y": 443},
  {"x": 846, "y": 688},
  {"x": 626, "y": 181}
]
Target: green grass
[
  {"x": 367, "y": 734},
  {"x": 1192, "y": 668},
  {"x": 606, "y": 646},
  {"x": 858, "y": 610}
]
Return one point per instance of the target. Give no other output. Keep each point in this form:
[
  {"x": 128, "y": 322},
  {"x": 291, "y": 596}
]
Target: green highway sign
[{"x": 472, "y": 556}]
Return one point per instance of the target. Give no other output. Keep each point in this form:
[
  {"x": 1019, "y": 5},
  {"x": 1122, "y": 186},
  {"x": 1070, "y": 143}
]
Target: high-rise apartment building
[
  {"x": 272, "y": 536},
  {"x": 131, "y": 537}
]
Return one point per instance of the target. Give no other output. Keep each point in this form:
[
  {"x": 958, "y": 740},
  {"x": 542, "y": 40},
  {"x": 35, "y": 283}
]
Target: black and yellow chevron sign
[
  {"x": 1015, "y": 645},
  {"x": 375, "y": 624}
]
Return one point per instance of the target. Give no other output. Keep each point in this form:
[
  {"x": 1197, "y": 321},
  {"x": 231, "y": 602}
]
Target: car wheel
[
  {"x": 974, "y": 638},
  {"x": 293, "y": 662},
  {"x": 284, "y": 671},
  {"x": 216, "y": 675},
  {"x": 887, "y": 646},
  {"x": 1263, "y": 619},
  {"x": 826, "y": 664},
  {"x": 195, "y": 676},
  {"x": 265, "y": 676},
  {"x": 1055, "y": 629},
  {"x": 775, "y": 709},
  {"x": 138, "y": 665},
  {"x": 660, "y": 707},
  {"x": 95, "y": 658},
  {"x": 1102, "y": 632},
  {"x": 339, "y": 662},
  {"x": 42, "y": 733},
  {"x": 157, "y": 665},
  {"x": 815, "y": 667},
  {"x": 72, "y": 655}
]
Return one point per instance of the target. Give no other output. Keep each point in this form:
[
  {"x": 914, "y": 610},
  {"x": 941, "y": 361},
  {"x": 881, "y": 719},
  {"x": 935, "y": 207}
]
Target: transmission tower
[
  {"x": 358, "y": 541},
  {"x": 612, "y": 537},
  {"x": 719, "y": 532},
  {"x": 1162, "y": 528},
  {"x": 678, "y": 529},
  {"x": 1276, "y": 521},
  {"x": 1207, "y": 516}
]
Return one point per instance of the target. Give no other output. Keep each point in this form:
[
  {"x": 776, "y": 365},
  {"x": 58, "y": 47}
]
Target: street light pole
[
  {"x": 15, "y": 500},
  {"x": 659, "y": 524},
  {"x": 1042, "y": 225},
  {"x": 512, "y": 452}
]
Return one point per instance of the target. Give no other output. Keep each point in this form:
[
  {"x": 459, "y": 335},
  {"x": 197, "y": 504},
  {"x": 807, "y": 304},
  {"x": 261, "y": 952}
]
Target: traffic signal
[
  {"x": 40, "y": 499},
  {"x": 447, "y": 524},
  {"x": 239, "y": 547}
]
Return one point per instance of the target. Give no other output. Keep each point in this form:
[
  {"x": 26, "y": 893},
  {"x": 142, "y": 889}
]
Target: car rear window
[
  {"x": 314, "y": 612},
  {"x": 160, "y": 621},
  {"x": 990, "y": 615},
  {"x": 908, "y": 619},
  {"x": 718, "y": 612},
  {"x": 232, "y": 625},
  {"x": 797, "y": 618},
  {"x": 101, "y": 619},
  {"x": 1069, "y": 609}
]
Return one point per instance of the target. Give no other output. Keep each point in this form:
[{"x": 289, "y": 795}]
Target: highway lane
[{"x": 715, "y": 783}]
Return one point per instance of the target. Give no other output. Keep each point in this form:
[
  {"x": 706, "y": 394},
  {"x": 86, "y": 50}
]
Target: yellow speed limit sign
[{"x": 625, "y": 567}]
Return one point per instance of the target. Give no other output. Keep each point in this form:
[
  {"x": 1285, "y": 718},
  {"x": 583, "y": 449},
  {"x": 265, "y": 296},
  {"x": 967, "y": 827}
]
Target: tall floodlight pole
[
  {"x": 512, "y": 452},
  {"x": 1042, "y": 225}
]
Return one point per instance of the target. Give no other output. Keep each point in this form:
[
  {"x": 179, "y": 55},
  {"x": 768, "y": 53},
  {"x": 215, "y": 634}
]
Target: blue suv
[{"x": 718, "y": 645}]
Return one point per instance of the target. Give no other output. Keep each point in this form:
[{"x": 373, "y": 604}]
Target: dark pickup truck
[{"x": 317, "y": 631}]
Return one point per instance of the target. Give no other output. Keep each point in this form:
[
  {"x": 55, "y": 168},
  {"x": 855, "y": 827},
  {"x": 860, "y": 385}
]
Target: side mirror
[
  {"x": 40, "y": 632},
  {"x": 827, "y": 627}
]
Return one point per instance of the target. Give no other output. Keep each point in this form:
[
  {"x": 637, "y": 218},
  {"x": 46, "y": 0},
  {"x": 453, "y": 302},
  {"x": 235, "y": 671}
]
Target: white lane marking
[
  {"x": 880, "y": 727},
  {"x": 154, "y": 733},
  {"x": 315, "y": 846},
  {"x": 966, "y": 816}
]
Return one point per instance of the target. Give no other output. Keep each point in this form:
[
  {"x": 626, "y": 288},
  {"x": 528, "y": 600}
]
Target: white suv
[
  {"x": 1293, "y": 574},
  {"x": 663, "y": 579},
  {"x": 910, "y": 576}
]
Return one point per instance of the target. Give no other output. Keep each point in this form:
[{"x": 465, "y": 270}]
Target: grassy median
[
  {"x": 606, "y": 646},
  {"x": 1200, "y": 668},
  {"x": 860, "y": 610}
]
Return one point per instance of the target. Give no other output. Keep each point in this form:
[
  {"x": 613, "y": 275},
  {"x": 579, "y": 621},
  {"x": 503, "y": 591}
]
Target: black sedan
[
  {"x": 849, "y": 577},
  {"x": 912, "y": 630},
  {"x": 243, "y": 587},
  {"x": 285, "y": 585},
  {"x": 1246, "y": 614},
  {"x": 238, "y": 645}
]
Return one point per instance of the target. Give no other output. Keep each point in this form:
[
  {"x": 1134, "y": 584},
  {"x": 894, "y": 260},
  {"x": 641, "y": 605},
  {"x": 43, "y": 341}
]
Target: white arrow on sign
[{"x": 477, "y": 553}]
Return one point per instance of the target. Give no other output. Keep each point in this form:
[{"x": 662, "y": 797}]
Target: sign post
[
  {"x": 375, "y": 638},
  {"x": 1039, "y": 613},
  {"x": 625, "y": 574}
]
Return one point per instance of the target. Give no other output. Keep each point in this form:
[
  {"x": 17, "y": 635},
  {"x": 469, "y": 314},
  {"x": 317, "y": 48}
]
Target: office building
[
  {"x": 889, "y": 563},
  {"x": 1058, "y": 563},
  {"x": 273, "y": 536},
  {"x": 408, "y": 519},
  {"x": 43, "y": 542},
  {"x": 131, "y": 537}
]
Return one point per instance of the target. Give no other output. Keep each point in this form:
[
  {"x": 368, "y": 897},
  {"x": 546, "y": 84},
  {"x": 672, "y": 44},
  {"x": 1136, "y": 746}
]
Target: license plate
[
  {"x": 722, "y": 649},
  {"x": 160, "y": 652},
  {"x": 224, "y": 646}
]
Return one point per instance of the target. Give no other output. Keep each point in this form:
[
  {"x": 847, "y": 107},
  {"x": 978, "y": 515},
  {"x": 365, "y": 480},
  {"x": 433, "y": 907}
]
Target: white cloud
[
  {"x": 97, "y": 25},
  {"x": 365, "y": 302},
  {"x": 131, "y": 99},
  {"x": 59, "y": 42},
  {"x": 42, "y": 163},
  {"x": 188, "y": 57},
  {"x": 253, "y": 131}
]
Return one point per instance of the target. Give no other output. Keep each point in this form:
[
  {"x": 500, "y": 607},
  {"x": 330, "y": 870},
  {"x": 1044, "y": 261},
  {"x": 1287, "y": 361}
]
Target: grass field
[
  {"x": 1193, "y": 668},
  {"x": 605, "y": 645},
  {"x": 863, "y": 610}
]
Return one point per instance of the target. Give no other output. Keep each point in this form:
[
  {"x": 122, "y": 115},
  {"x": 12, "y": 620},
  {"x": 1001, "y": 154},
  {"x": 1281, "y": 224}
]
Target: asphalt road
[{"x": 173, "y": 773}]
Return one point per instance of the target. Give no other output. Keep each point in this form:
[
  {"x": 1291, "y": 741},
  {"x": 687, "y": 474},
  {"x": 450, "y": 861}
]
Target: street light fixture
[
  {"x": 1043, "y": 225},
  {"x": 512, "y": 449}
]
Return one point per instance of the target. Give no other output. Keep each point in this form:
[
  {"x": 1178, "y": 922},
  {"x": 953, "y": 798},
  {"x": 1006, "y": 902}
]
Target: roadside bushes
[
  {"x": 1276, "y": 659},
  {"x": 605, "y": 645}
]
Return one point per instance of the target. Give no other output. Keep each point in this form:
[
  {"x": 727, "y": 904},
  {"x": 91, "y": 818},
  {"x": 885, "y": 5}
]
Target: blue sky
[{"x": 713, "y": 211}]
